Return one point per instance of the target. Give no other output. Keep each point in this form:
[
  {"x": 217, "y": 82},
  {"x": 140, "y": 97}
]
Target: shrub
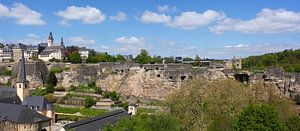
[
  {"x": 51, "y": 98},
  {"x": 258, "y": 118},
  {"x": 88, "y": 102},
  {"x": 293, "y": 123},
  {"x": 5, "y": 72},
  {"x": 50, "y": 89},
  {"x": 56, "y": 70}
]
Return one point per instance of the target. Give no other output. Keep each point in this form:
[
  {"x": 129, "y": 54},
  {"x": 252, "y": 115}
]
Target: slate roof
[
  {"x": 19, "y": 114},
  {"x": 9, "y": 95},
  {"x": 37, "y": 102},
  {"x": 97, "y": 123}
]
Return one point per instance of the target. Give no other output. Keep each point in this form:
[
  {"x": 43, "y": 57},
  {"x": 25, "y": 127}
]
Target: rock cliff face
[
  {"x": 148, "y": 81},
  {"x": 288, "y": 83}
]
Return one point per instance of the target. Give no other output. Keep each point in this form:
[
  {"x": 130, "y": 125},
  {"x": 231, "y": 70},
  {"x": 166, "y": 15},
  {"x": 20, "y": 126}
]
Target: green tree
[
  {"x": 259, "y": 118},
  {"x": 197, "y": 61},
  {"x": 52, "y": 80},
  {"x": 187, "y": 59},
  {"x": 88, "y": 102},
  {"x": 75, "y": 57},
  {"x": 169, "y": 59},
  {"x": 159, "y": 122},
  {"x": 120, "y": 58},
  {"x": 143, "y": 57},
  {"x": 114, "y": 96}
]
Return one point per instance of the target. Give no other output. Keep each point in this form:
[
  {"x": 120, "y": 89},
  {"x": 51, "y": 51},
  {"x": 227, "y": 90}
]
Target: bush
[
  {"x": 60, "y": 89},
  {"x": 293, "y": 123},
  {"x": 56, "y": 70},
  {"x": 50, "y": 89},
  {"x": 259, "y": 118},
  {"x": 5, "y": 72},
  {"x": 88, "y": 102},
  {"x": 39, "y": 92},
  {"x": 221, "y": 124},
  {"x": 98, "y": 90},
  {"x": 51, "y": 98}
]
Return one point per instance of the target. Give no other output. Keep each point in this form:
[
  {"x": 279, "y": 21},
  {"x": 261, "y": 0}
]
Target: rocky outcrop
[{"x": 288, "y": 83}]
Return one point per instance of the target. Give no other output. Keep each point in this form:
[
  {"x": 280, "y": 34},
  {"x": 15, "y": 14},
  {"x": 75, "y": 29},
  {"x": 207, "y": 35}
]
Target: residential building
[
  {"x": 6, "y": 54},
  {"x": 84, "y": 53}
]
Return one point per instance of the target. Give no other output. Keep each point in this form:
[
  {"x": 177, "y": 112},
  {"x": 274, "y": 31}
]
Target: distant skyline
[{"x": 211, "y": 29}]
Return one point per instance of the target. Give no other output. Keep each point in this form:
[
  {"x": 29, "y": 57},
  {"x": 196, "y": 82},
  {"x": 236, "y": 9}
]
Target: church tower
[
  {"x": 50, "y": 40},
  {"x": 62, "y": 42},
  {"x": 22, "y": 84}
]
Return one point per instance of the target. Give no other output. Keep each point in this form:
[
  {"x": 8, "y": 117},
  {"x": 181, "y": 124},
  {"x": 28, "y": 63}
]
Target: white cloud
[
  {"x": 236, "y": 46},
  {"x": 152, "y": 17},
  {"x": 88, "y": 15},
  {"x": 121, "y": 16},
  {"x": 266, "y": 21},
  {"x": 166, "y": 8},
  {"x": 191, "y": 19},
  {"x": 130, "y": 40},
  {"x": 22, "y": 14},
  {"x": 81, "y": 41},
  {"x": 248, "y": 50},
  {"x": 186, "y": 20},
  {"x": 32, "y": 35}
]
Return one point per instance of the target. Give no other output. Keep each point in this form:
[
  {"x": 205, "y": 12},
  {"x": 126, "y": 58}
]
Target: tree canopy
[
  {"x": 158, "y": 122},
  {"x": 289, "y": 60},
  {"x": 259, "y": 118},
  {"x": 75, "y": 57}
]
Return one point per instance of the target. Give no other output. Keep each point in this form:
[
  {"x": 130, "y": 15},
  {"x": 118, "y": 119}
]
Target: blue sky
[{"x": 209, "y": 28}]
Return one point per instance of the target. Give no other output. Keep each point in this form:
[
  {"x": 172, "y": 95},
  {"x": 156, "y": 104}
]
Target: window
[{"x": 20, "y": 86}]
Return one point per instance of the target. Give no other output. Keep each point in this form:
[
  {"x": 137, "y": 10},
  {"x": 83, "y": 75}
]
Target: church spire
[
  {"x": 22, "y": 72},
  {"x": 62, "y": 42},
  {"x": 50, "y": 39}
]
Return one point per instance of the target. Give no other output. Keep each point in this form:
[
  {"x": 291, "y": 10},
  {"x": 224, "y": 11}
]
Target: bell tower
[
  {"x": 22, "y": 84},
  {"x": 50, "y": 40}
]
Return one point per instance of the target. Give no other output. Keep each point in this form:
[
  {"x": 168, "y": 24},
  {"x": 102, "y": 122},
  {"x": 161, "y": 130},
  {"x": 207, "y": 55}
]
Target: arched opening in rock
[{"x": 244, "y": 78}]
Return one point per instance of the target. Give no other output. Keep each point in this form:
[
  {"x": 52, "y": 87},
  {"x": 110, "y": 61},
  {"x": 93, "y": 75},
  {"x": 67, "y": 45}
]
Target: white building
[
  {"x": 84, "y": 53},
  {"x": 6, "y": 54}
]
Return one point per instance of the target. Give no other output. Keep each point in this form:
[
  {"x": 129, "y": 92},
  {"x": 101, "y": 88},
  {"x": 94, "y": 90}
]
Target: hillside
[{"x": 289, "y": 60}]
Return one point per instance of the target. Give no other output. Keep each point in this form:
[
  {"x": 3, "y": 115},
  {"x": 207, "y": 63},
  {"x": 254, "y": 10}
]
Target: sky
[{"x": 208, "y": 28}]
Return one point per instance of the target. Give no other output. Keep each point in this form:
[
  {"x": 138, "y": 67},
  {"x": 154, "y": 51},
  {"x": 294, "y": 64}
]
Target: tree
[
  {"x": 143, "y": 57},
  {"x": 169, "y": 59},
  {"x": 187, "y": 59},
  {"x": 120, "y": 58},
  {"x": 52, "y": 80},
  {"x": 114, "y": 96},
  {"x": 259, "y": 118},
  {"x": 88, "y": 102},
  {"x": 197, "y": 61},
  {"x": 75, "y": 57},
  {"x": 159, "y": 122}
]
